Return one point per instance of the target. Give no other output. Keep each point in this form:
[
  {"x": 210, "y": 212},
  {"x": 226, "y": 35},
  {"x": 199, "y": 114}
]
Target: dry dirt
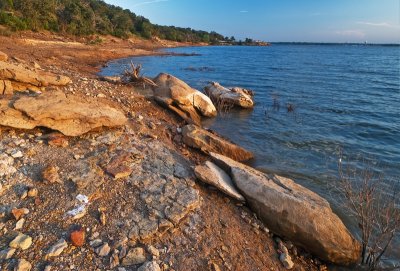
[{"x": 217, "y": 233}]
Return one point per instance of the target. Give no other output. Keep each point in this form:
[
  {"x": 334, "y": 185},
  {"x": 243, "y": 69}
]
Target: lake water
[{"x": 346, "y": 99}]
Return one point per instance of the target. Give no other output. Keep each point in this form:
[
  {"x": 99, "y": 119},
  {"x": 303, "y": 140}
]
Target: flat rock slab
[
  {"x": 70, "y": 115},
  {"x": 210, "y": 173},
  {"x": 23, "y": 77},
  {"x": 207, "y": 142},
  {"x": 295, "y": 212}
]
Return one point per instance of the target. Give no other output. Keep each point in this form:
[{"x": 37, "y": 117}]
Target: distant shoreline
[{"x": 337, "y": 43}]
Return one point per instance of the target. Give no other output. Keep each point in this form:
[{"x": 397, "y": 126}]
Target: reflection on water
[{"x": 344, "y": 98}]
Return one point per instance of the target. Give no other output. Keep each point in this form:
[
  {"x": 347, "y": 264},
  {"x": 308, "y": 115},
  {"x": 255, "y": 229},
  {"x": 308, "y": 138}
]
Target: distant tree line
[{"x": 87, "y": 17}]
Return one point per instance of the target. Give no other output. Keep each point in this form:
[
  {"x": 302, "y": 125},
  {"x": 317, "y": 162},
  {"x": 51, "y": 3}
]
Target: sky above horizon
[{"x": 375, "y": 21}]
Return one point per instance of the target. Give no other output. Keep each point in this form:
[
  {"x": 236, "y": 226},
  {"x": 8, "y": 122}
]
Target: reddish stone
[
  {"x": 18, "y": 213},
  {"x": 78, "y": 237},
  {"x": 50, "y": 174},
  {"x": 58, "y": 140}
]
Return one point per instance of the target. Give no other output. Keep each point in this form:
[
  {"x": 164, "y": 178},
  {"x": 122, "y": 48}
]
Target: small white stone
[
  {"x": 17, "y": 154},
  {"x": 19, "y": 224}
]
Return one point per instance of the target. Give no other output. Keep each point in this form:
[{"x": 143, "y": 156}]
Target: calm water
[{"x": 345, "y": 98}]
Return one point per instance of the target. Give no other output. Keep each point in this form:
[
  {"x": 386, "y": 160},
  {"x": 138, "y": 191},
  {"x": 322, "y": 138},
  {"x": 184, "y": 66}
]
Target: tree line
[{"x": 87, "y": 17}]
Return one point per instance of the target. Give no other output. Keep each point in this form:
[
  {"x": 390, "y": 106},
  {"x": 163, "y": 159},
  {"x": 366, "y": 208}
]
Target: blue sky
[{"x": 375, "y": 21}]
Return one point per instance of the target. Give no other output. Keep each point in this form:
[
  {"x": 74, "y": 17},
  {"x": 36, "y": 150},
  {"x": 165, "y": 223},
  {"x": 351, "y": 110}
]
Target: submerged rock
[
  {"x": 212, "y": 174},
  {"x": 295, "y": 212},
  {"x": 207, "y": 142},
  {"x": 187, "y": 102},
  {"x": 70, "y": 115},
  {"x": 236, "y": 96}
]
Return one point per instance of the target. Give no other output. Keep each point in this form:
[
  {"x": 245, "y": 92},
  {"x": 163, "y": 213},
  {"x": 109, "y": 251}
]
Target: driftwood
[{"x": 133, "y": 76}]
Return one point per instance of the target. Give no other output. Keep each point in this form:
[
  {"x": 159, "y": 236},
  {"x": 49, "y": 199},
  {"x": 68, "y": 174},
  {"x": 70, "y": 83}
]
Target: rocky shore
[{"x": 95, "y": 175}]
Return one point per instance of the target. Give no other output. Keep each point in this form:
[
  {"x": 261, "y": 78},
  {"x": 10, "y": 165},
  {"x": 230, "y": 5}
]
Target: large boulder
[
  {"x": 236, "y": 96},
  {"x": 23, "y": 77},
  {"x": 210, "y": 173},
  {"x": 71, "y": 115},
  {"x": 295, "y": 212},
  {"x": 189, "y": 103},
  {"x": 207, "y": 142}
]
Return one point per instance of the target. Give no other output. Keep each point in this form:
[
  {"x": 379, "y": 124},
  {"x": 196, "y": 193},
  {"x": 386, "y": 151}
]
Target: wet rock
[
  {"x": 207, "y": 142},
  {"x": 22, "y": 241},
  {"x": 71, "y": 115},
  {"x": 50, "y": 174},
  {"x": 236, "y": 96},
  {"x": 212, "y": 174},
  {"x": 294, "y": 212},
  {"x": 7, "y": 253},
  {"x": 187, "y": 102},
  {"x": 150, "y": 266},
  {"x": 57, "y": 249},
  {"x": 134, "y": 256},
  {"x": 23, "y": 265},
  {"x": 103, "y": 250}
]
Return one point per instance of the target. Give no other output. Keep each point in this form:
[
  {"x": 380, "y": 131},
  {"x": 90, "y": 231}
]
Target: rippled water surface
[{"x": 345, "y": 97}]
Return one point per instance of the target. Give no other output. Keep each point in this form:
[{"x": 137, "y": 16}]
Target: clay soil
[{"x": 220, "y": 234}]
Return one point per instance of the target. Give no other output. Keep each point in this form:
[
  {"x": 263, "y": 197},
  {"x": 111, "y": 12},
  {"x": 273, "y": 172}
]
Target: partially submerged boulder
[
  {"x": 295, "y": 212},
  {"x": 21, "y": 77},
  {"x": 70, "y": 115},
  {"x": 236, "y": 96},
  {"x": 187, "y": 102},
  {"x": 207, "y": 142},
  {"x": 211, "y": 174}
]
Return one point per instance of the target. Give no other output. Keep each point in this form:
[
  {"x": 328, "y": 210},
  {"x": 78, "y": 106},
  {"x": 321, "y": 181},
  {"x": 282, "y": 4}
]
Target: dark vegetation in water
[
  {"x": 88, "y": 17},
  {"x": 374, "y": 203}
]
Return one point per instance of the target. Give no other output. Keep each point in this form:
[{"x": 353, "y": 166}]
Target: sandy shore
[{"x": 216, "y": 233}]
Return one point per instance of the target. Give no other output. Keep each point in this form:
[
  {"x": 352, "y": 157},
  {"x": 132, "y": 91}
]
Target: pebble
[
  {"x": 22, "y": 241},
  {"x": 33, "y": 192},
  {"x": 23, "y": 265},
  {"x": 153, "y": 251},
  {"x": 150, "y": 266},
  {"x": 18, "y": 213},
  {"x": 17, "y": 154},
  {"x": 134, "y": 256},
  {"x": 78, "y": 238},
  {"x": 57, "y": 248},
  {"x": 95, "y": 243},
  {"x": 50, "y": 174},
  {"x": 103, "y": 250},
  {"x": 19, "y": 224},
  {"x": 6, "y": 254}
]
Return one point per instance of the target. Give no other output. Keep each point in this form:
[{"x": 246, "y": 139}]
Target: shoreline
[{"x": 228, "y": 238}]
